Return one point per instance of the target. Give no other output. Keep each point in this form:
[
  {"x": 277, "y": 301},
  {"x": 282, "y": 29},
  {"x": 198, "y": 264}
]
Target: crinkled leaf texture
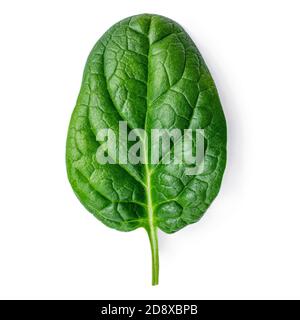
[{"x": 147, "y": 71}]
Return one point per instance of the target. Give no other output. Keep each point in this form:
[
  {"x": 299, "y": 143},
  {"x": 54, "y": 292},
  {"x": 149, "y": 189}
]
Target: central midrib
[{"x": 147, "y": 172}]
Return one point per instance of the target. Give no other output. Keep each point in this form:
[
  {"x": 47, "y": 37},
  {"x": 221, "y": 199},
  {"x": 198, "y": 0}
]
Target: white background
[{"x": 246, "y": 246}]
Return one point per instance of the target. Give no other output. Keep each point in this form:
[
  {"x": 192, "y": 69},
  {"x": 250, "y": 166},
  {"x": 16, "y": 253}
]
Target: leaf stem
[{"x": 152, "y": 233}]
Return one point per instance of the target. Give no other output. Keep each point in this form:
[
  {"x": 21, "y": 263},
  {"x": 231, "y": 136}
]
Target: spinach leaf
[{"x": 145, "y": 70}]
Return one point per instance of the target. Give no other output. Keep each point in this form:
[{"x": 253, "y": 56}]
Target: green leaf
[{"x": 147, "y": 71}]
